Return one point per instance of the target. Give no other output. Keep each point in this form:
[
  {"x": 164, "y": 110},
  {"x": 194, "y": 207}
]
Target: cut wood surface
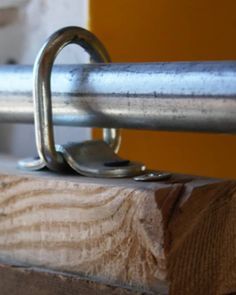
[{"x": 146, "y": 236}]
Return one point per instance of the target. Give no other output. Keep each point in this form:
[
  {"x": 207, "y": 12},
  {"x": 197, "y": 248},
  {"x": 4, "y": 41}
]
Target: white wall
[{"x": 20, "y": 40}]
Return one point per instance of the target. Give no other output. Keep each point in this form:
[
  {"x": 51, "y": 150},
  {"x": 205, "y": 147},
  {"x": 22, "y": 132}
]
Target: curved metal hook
[{"x": 42, "y": 90}]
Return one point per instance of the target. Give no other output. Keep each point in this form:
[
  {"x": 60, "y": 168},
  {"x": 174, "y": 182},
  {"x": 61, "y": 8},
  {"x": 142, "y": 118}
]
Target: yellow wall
[{"x": 171, "y": 30}]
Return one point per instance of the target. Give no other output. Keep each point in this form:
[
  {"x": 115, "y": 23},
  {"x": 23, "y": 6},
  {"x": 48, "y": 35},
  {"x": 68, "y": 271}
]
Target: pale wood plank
[{"x": 143, "y": 235}]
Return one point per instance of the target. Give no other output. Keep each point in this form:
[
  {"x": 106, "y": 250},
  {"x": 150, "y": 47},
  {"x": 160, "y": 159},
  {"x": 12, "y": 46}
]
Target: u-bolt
[{"x": 42, "y": 91}]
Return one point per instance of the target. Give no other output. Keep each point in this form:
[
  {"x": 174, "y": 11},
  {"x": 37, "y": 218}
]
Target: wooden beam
[{"x": 179, "y": 233}]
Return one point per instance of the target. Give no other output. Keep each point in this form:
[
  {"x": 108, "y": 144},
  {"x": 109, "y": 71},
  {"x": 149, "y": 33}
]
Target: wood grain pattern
[
  {"x": 203, "y": 229},
  {"x": 96, "y": 229},
  {"x": 143, "y": 235}
]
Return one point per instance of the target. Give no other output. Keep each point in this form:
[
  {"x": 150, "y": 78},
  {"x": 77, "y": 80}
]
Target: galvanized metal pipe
[{"x": 157, "y": 96}]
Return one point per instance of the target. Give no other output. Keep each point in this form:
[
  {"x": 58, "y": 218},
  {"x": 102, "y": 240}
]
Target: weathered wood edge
[{"x": 18, "y": 280}]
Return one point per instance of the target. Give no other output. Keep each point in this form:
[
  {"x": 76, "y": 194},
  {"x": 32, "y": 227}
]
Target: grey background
[{"x": 22, "y": 34}]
